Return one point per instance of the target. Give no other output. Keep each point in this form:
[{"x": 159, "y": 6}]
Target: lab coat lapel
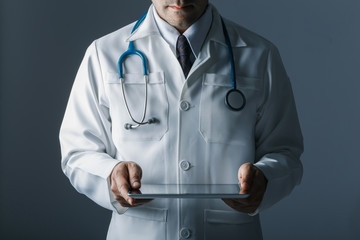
[
  {"x": 147, "y": 28},
  {"x": 208, "y": 55},
  {"x": 159, "y": 55}
]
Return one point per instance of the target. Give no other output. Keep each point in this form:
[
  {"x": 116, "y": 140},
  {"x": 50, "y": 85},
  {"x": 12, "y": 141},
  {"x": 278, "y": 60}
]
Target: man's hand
[
  {"x": 126, "y": 176},
  {"x": 252, "y": 181}
]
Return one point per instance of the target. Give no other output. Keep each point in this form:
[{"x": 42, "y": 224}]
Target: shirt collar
[
  {"x": 150, "y": 28},
  {"x": 195, "y": 34}
]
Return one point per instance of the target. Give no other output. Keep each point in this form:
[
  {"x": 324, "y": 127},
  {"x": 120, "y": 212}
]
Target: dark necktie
[{"x": 184, "y": 51}]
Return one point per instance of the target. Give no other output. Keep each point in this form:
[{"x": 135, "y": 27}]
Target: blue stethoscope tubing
[
  {"x": 235, "y": 99},
  {"x": 133, "y": 51}
]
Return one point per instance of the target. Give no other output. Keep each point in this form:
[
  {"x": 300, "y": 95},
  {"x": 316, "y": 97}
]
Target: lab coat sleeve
[
  {"x": 88, "y": 153},
  {"x": 279, "y": 141}
]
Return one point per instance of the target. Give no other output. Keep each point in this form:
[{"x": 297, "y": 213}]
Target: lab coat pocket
[
  {"x": 137, "y": 94},
  {"x": 220, "y": 224},
  {"x": 139, "y": 223},
  {"x": 218, "y": 123},
  {"x": 148, "y": 213}
]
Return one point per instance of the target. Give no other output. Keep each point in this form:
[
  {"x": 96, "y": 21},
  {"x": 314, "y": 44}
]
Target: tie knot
[{"x": 183, "y": 46}]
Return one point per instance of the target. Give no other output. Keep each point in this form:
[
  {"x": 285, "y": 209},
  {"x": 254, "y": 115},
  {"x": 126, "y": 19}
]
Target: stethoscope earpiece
[
  {"x": 152, "y": 120},
  {"x": 129, "y": 126}
]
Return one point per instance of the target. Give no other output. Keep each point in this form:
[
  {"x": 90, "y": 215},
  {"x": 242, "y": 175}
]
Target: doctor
[{"x": 194, "y": 137}]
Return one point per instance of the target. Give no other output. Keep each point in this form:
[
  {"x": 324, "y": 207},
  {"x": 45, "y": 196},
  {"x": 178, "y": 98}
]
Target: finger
[
  {"x": 135, "y": 174},
  {"x": 142, "y": 201},
  {"x": 119, "y": 172},
  {"x": 123, "y": 186},
  {"x": 241, "y": 205},
  {"x": 135, "y": 203},
  {"x": 259, "y": 184},
  {"x": 118, "y": 195},
  {"x": 246, "y": 176},
  {"x": 124, "y": 190}
]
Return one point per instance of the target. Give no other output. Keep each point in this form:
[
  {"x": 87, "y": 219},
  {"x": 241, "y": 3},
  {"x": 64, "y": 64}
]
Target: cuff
[{"x": 279, "y": 185}]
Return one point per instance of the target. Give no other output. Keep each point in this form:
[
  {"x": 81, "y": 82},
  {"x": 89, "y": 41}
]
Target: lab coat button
[
  {"x": 184, "y": 165},
  {"x": 185, "y": 233},
  {"x": 184, "y": 105}
]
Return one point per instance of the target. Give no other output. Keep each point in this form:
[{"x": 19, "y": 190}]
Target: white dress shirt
[{"x": 195, "y": 34}]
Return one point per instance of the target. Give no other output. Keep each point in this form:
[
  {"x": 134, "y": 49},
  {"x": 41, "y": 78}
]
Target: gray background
[{"x": 42, "y": 44}]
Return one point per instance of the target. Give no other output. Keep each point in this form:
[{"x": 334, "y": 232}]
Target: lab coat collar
[
  {"x": 149, "y": 28},
  {"x": 235, "y": 37}
]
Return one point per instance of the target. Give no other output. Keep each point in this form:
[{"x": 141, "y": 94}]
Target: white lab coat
[{"x": 212, "y": 139}]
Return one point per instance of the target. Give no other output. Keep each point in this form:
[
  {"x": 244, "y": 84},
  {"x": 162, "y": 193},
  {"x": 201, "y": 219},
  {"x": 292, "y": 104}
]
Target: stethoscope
[{"x": 235, "y": 99}]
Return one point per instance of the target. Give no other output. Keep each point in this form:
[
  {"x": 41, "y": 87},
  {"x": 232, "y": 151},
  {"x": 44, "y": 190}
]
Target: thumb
[{"x": 245, "y": 177}]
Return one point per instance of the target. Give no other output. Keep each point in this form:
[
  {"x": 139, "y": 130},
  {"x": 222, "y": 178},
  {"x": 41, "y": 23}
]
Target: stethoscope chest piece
[{"x": 235, "y": 100}]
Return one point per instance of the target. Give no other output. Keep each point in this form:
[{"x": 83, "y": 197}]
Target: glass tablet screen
[{"x": 187, "y": 191}]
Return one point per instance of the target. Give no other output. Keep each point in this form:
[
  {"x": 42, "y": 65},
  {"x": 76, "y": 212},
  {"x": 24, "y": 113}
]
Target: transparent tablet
[{"x": 150, "y": 191}]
